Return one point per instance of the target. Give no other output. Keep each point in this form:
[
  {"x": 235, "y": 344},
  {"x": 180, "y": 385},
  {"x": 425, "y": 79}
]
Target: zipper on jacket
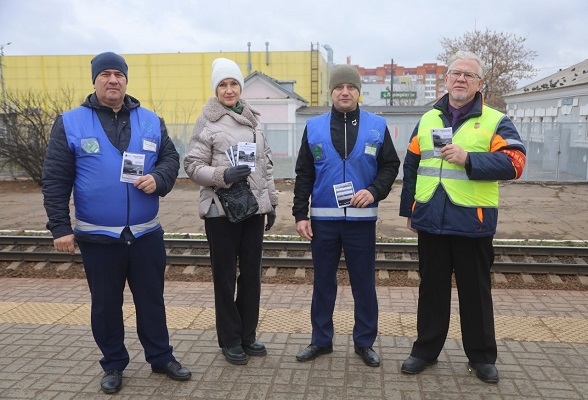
[
  {"x": 345, "y": 135},
  {"x": 255, "y": 141},
  {"x": 345, "y": 155},
  {"x": 128, "y": 242}
]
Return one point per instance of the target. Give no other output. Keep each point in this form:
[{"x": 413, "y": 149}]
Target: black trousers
[
  {"x": 108, "y": 267},
  {"x": 236, "y": 316},
  {"x": 470, "y": 259}
]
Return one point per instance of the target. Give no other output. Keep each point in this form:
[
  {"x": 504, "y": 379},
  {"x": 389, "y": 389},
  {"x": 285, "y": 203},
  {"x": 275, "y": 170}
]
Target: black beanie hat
[{"x": 108, "y": 60}]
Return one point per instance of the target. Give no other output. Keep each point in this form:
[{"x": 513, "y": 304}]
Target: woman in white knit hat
[{"x": 226, "y": 121}]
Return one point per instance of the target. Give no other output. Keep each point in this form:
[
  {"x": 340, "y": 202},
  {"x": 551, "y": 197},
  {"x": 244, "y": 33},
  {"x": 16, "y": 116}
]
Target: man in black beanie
[
  {"x": 109, "y": 60},
  {"x": 120, "y": 160},
  {"x": 346, "y": 163}
]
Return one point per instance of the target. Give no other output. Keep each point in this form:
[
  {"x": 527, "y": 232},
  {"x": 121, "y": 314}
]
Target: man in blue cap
[{"x": 117, "y": 229}]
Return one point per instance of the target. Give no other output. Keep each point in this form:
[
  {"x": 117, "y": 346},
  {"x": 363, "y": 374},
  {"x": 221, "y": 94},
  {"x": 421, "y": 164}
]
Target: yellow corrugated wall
[{"x": 174, "y": 85}]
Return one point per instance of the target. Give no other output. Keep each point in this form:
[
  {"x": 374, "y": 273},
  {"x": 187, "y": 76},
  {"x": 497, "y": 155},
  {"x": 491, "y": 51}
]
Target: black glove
[
  {"x": 271, "y": 219},
  {"x": 234, "y": 174}
]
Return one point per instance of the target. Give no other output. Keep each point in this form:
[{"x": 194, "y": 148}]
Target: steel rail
[{"x": 297, "y": 254}]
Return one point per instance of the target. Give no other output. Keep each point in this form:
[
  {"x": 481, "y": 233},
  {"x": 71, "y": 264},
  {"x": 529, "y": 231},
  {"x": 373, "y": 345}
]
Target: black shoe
[
  {"x": 254, "y": 349},
  {"x": 174, "y": 370},
  {"x": 312, "y": 352},
  {"x": 413, "y": 365},
  {"x": 235, "y": 355},
  {"x": 368, "y": 355},
  {"x": 485, "y": 372},
  {"x": 112, "y": 381}
]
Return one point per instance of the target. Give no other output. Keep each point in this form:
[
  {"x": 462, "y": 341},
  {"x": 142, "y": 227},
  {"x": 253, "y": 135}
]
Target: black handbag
[{"x": 238, "y": 201}]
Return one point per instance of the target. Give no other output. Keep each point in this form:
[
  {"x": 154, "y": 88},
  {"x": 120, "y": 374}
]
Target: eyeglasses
[{"x": 469, "y": 76}]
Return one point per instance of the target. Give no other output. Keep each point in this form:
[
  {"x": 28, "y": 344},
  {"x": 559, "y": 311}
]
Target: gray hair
[{"x": 467, "y": 55}]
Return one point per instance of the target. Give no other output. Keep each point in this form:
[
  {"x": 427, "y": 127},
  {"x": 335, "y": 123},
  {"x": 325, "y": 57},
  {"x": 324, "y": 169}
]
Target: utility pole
[
  {"x": 392, "y": 82},
  {"x": 2, "y": 76},
  {"x": 248, "y": 59}
]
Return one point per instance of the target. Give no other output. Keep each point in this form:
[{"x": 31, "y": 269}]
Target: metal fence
[{"x": 556, "y": 152}]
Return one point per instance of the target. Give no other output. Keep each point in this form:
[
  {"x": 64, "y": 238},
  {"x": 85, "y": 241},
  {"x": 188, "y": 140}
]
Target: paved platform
[{"x": 47, "y": 350}]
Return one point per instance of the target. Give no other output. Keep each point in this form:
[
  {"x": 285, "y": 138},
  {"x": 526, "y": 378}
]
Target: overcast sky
[{"x": 371, "y": 32}]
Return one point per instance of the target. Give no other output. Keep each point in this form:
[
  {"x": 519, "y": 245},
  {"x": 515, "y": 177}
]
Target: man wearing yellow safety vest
[{"x": 456, "y": 155}]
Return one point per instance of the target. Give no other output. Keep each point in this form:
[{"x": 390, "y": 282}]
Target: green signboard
[{"x": 398, "y": 95}]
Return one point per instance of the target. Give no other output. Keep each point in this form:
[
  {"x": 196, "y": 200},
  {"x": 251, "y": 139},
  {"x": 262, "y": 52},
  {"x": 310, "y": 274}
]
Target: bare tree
[
  {"x": 505, "y": 56},
  {"x": 183, "y": 114},
  {"x": 25, "y": 124}
]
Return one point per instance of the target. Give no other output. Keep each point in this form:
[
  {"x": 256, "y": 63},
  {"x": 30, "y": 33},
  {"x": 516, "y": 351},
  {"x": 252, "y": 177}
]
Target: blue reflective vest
[
  {"x": 104, "y": 204},
  {"x": 360, "y": 167}
]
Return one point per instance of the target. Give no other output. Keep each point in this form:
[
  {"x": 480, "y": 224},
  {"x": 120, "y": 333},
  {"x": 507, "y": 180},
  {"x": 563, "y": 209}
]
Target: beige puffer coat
[{"x": 205, "y": 162}]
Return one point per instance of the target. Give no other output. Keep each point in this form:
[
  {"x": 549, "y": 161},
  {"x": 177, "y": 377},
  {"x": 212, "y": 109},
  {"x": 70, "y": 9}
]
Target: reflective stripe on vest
[
  {"x": 340, "y": 213},
  {"x": 135, "y": 229},
  {"x": 475, "y": 135}
]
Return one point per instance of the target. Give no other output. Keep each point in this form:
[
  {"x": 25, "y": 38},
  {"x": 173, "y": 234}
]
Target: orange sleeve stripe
[
  {"x": 497, "y": 143},
  {"x": 414, "y": 147}
]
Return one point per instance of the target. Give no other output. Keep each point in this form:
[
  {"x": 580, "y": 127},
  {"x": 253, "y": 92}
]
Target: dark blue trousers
[
  {"x": 470, "y": 260},
  {"x": 358, "y": 241},
  {"x": 108, "y": 267}
]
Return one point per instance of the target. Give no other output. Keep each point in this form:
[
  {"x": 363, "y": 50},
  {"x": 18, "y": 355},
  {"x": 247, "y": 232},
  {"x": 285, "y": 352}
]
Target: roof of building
[
  {"x": 378, "y": 110},
  {"x": 564, "y": 78},
  {"x": 278, "y": 84}
]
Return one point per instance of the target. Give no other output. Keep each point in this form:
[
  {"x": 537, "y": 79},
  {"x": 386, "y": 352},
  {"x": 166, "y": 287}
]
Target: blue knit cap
[{"x": 108, "y": 60}]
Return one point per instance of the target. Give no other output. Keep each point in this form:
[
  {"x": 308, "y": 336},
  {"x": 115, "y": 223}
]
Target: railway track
[{"x": 513, "y": 259}]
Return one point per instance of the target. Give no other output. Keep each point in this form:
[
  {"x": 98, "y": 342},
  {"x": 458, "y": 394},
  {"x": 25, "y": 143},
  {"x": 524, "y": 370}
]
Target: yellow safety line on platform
[{"x": 282, "y": 320}]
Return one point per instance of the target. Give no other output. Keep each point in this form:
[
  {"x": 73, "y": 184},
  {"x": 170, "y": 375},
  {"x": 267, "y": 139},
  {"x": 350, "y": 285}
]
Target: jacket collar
[
  {"x": 443, "y": 105},
  {"x": 213, "y": 110},
  {"x": 341, "y": 115},
  {"x": 129, "y": 102}
]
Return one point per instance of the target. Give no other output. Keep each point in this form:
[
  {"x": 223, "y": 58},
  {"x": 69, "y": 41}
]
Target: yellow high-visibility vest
[{"x": 475, "y": 135}]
